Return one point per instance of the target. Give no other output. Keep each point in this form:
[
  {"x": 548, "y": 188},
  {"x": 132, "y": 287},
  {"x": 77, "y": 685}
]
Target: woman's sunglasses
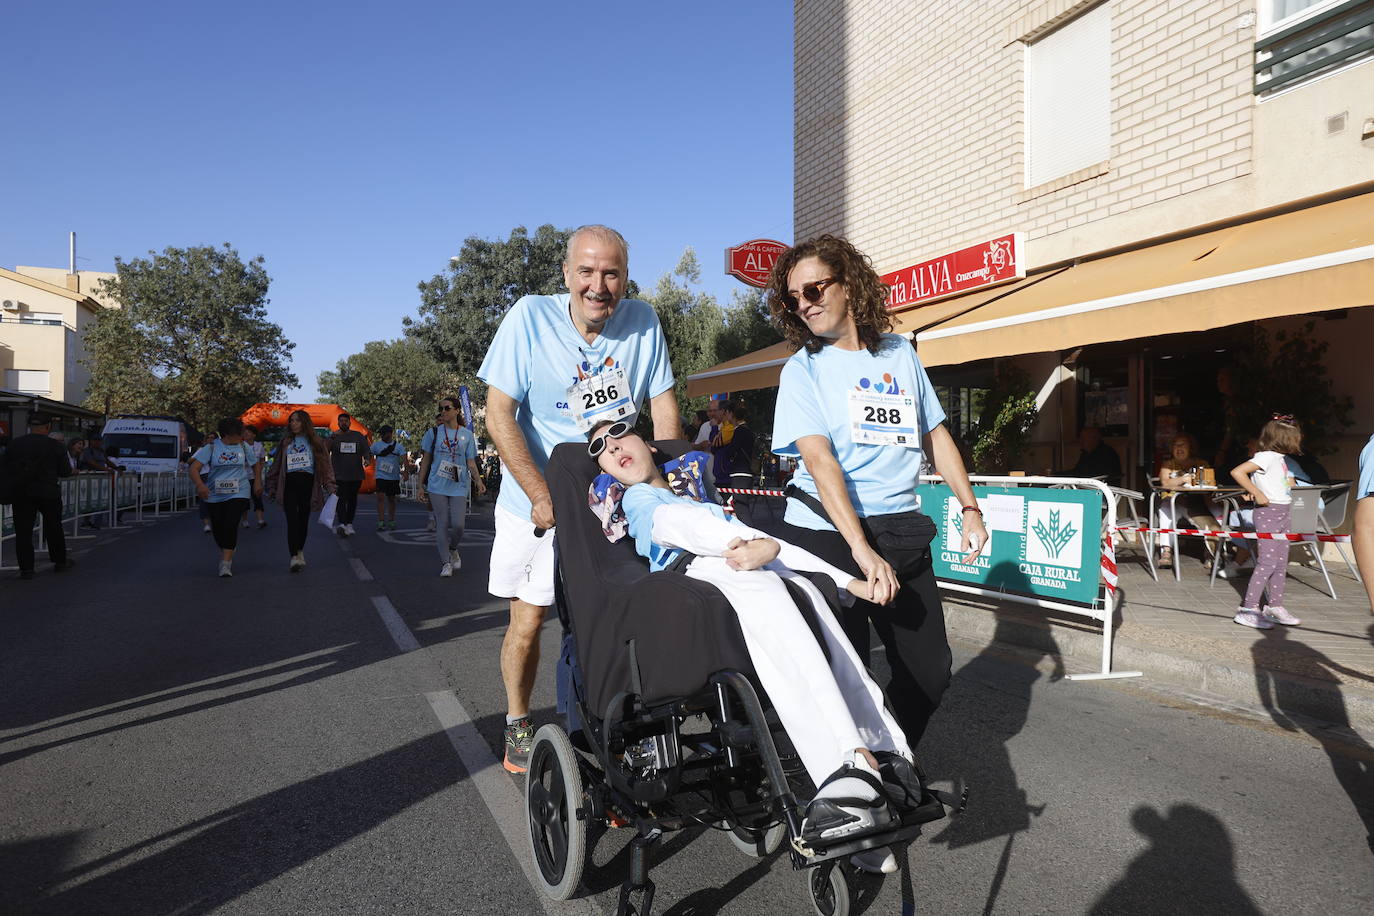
[
  {"x": 614, "y": 431},
  {"x": 811, "y": 292}
]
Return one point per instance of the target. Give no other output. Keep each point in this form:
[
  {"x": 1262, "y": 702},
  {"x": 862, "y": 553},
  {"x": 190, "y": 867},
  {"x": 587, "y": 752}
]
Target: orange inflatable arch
[{"x": 324, "y": 416}]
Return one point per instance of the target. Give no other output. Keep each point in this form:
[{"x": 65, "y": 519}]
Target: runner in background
[
  {"x": 348, "y": 453},
  {"x": 448, "y": 465},
  {"x": 202, "y": 507},
  {"x": 300, "y": 476},
  {"x": 232, "y": 476},
  {"x": 386, "y": 453},
  {"x": 250, "y": 438}
]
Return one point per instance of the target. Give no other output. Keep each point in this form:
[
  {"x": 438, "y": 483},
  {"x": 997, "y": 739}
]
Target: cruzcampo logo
[{"x": 1054, "y": 535}]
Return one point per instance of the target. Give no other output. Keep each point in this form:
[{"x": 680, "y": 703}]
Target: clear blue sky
[{"x": 356, "y": 145}]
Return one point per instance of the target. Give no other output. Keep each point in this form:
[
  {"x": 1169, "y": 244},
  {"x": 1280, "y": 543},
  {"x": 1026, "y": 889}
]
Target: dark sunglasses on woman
[
  {"x": 811, "y": 292},
  {"x": 614, "y": 431}
]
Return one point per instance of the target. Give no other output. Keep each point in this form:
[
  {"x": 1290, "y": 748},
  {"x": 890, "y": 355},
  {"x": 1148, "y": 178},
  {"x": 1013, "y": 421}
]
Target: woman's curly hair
[{"x": 851, "y": 267}]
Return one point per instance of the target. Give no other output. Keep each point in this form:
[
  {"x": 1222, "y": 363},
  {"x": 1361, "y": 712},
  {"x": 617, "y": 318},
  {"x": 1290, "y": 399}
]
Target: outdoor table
[{"x": 1227, "y": 496}]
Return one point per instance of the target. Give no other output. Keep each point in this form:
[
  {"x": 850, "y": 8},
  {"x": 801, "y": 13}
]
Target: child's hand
[
  {"x": 860, "y": 589},
  {"x": 742, "y": 554},
  {"x": 1261, "y": 499}
]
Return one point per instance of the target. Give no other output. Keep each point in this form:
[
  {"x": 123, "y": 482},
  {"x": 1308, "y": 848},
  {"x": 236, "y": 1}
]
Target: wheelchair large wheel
[
  {"x": 553, "y": 795},
  {"x": 758, "y": 843},
  {"x": 829, "y": 890}
]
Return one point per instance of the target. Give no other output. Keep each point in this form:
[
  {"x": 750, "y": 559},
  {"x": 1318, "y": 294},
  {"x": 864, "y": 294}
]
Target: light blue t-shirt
[
  {"x": 229, "y": 470},
  {"x": 639, "y": 503},
  {"x": 537, "y": 355},
  {"x": 1365, "y": 487},
  {"x": 388, "y": 466},
  {"x": 448, "y": 469},
  {"x": 814, "y": 399},
  {"x": 298, "y": 455}
]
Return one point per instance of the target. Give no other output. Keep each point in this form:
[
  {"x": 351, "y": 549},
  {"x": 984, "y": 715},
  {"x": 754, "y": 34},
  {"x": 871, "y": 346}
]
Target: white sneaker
[
  {"x": 206, "y": 529},
  {"x": 1249, "y": 618},
  {"x": 348, "y": 530},
  {"x": 300, "y": 558},
  {"x": 225, "y": 569},
  {"x": 446, "y": 570},
  {"x": 297, "y": 563},
  {"x": 879, "y": 861},
  {"x": 1280, "y": 615},
  {"x": 454, "y": 559}
]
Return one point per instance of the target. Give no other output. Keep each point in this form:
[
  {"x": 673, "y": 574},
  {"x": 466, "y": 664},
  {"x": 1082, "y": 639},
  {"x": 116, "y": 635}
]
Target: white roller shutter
[{"x": 1068, "y": 97}]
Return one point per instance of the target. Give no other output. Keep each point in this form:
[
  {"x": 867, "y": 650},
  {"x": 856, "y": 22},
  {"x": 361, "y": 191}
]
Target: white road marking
[
  {"x": 400, "y": 633},
  {"x": 504, "y": 801},
  {"x": 359, "y": 569}
]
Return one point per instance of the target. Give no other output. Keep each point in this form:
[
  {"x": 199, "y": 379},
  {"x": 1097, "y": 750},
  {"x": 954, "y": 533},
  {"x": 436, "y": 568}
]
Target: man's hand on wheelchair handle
[
  {"x": 541, "y": 511},
  {"x": 742, "y": 554},
  {"x": 882, "y": 581}
]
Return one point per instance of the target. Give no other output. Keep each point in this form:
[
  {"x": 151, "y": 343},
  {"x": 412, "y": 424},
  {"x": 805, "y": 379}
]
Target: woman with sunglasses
[
  {"x": 447, "y": 469},
  {"x": 856, "y": 407}
]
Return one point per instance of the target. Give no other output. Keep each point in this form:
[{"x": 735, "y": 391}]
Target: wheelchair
[{"x": 665, "y": 726}]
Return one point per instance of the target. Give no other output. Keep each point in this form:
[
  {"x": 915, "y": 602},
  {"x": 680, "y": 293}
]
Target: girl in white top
[{"x": 1265, "y": 477}]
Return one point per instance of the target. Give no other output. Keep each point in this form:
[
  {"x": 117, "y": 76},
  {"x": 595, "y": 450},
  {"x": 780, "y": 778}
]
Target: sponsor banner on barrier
[{"x": 1041, "y": 542}]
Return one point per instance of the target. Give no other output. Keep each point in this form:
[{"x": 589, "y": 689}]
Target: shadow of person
[
  {"x": 998, "y": 805},
  {"x": 1190, "y": 867},
  {"x": 1352, "y": 758}
]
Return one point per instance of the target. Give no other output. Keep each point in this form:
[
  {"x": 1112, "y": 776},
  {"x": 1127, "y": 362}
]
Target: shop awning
[
  {"x": 1312, "y": 260},
  {"x": 1315, "y": 259}
]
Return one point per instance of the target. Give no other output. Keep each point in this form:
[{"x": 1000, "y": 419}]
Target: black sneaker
[
  {"x": 28, "y": 574},
  {"x": 63, "y": 566},
  {"x": 519, "y": 737}
]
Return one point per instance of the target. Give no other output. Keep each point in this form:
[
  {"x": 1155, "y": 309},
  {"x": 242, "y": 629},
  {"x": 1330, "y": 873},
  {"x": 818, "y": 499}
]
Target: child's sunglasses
[{"x": 614, "y": 431}]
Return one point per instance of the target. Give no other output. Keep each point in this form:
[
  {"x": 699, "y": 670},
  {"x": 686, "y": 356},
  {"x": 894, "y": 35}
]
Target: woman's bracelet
[{"x": 971, "y": 509}]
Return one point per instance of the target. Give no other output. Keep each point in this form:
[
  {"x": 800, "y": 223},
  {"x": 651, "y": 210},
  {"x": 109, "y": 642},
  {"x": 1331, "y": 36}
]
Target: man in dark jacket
[{"x": 33, "y": 464}]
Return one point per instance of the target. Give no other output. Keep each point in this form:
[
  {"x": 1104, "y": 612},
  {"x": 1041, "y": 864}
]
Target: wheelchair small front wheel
[
  {"x": 553, "y": 802},
  {"x": 757, "y": 843},
  {"x": 829, "y": 890}
]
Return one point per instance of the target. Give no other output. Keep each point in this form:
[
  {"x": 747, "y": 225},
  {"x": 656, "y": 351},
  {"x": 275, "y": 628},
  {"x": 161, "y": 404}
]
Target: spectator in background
[
  {"x": 74, "y": 450},
  {"x": 1177, "y": 472},
  {"x": 693, "y": 429},
  {"x": 1095, "y": 458},
  {"x": 348, "y": 451},
  {"x": 32, "y": 466},
  {"x": 250, "y": 439},
  {"x": 1364, "y": 520},
  {"x": 94, "y": 457},
  {"x": 736, "y": 457},
  {"x": 710, "y": 425}
]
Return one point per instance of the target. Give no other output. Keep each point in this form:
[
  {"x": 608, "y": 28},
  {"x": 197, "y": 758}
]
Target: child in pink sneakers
[{"x": 1265, "y": 477}]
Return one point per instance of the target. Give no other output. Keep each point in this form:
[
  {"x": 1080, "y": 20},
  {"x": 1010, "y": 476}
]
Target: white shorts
[{"x": 521, "y": 564}]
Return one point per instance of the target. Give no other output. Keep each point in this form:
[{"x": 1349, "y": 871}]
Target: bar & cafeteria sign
[
  {"x": 976, "y": 267},
  {"x": 752, "y": 261}
]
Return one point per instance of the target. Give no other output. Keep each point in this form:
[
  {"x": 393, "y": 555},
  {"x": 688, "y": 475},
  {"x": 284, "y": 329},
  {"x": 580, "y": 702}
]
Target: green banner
[{"x": 1042, "y": 542}]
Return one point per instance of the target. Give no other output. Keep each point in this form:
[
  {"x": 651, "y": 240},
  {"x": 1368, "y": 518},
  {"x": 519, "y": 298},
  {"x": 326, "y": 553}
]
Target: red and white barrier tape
[
  {"x": 1243, "y": 535},
  {"x": 749, "y": 492},
  {"x": 1109, "y": 565}
]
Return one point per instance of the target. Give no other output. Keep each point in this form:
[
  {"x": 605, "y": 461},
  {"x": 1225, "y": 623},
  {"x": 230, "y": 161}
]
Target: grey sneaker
[
  {"x": 446, "y": 570},
  {"x": 225, "y": 569},
  {"x": 1250, "y": 618},
  {"x": 454, "y": 559},
  {"x": 348, "y": 530},
  {"x": 1279, "y": 614}
]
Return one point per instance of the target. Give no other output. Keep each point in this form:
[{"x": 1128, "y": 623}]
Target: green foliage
[
  {"x": 394, "y": 382},
  {"x": 1285, "y": 372},
  {"x": 191, "y": 338},
  {"x": 1003, "y": 429},
  {"x": 461, "y": 308},
  {"x": 701, "y": 333}
]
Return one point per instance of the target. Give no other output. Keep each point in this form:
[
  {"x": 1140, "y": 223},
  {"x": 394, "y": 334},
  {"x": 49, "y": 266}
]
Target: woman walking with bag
[
  {"x": 232, "y": 474},
  {"x": 856, "y": 406},
  {"x": 300, "y": 476},
  {"x": 447, "y": 469}
]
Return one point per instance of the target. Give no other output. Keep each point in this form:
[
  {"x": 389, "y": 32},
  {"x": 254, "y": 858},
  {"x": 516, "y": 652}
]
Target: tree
[
  {"x": 1284, "y": 371},
  {"x": 461, "y": 308},
  {"x": 191, "y": 337},
  {"x": 693, "y": 324},
  {"x": 392, "y": 382},
  {"x": 1003, "y": 429}
]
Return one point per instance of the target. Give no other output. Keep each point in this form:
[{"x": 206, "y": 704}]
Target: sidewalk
[{"x": 1180, "y": 634}]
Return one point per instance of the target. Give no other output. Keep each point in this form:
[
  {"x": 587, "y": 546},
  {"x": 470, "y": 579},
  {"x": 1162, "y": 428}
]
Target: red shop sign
[
  {"x": 976, "y": 267},
  {"x": 753, "y": 261}
]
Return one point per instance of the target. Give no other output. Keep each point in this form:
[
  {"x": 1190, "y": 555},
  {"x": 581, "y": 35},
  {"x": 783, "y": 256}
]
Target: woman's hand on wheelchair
[
  {"x": 878, "y": 575},
  {"x": 742, "y": 554}
]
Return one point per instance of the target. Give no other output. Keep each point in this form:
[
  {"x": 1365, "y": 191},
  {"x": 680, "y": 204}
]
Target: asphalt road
[{"x": 171, "y": 742}]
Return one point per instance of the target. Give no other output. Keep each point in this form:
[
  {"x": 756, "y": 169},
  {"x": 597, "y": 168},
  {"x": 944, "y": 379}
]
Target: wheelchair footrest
[{"x": 815, "y": 855}]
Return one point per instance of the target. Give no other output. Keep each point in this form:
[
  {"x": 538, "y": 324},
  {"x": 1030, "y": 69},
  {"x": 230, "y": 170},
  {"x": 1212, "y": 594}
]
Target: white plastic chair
[{"x": 1305, "y": 516}]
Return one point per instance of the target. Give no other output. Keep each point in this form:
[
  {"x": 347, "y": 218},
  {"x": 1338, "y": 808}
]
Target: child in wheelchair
[{"x": 833, "y": 712}]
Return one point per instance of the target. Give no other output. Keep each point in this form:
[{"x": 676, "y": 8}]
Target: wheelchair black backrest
[{"x": 684, "y": 629}]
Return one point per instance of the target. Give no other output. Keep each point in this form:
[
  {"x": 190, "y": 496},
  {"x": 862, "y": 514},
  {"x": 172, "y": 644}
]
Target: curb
[{"x": 1079, "y": 641}]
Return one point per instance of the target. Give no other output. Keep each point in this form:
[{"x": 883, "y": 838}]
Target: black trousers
[
  {"x": 912, "y": 630},
  {"x": 25, "y": 512},
  {"x": 295, "y": 499},
  {"x": 348, "y": 500},
  {"x": 224, "y": 521}
]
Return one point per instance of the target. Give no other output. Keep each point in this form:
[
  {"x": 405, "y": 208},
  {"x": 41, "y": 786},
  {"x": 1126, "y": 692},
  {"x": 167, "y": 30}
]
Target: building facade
[{"x": 43, "y": 324}]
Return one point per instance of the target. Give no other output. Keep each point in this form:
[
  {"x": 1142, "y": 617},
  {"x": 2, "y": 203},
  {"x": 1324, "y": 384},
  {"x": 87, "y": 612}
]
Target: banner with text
[{"x": 1041, "y": 542}]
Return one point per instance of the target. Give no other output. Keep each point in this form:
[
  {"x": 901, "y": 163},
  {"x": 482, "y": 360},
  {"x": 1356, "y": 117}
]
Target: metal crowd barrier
[{"x": 118, "y": 500}]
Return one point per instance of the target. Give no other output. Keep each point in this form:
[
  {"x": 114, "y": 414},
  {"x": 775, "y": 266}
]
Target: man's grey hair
[{"x": 605, "y": 233}]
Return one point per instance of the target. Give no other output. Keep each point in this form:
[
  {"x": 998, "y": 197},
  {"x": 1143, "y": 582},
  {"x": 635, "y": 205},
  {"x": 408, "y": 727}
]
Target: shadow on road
[
  {"x": 217, "y": 859},
  {"x": 1190, "y": 867},
  {"x": 1352, "y": 758}
]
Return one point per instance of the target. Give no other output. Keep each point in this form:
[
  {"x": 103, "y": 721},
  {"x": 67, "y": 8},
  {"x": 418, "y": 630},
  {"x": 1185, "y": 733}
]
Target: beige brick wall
[{"x": 909, "y": 124}]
